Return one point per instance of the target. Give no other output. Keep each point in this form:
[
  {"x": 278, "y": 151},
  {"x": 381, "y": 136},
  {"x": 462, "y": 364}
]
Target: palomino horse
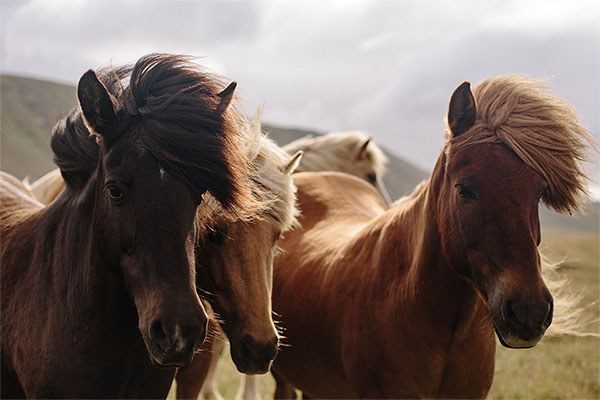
[
  {"x": 239, "y": 260},
  {"x": 352, "y": 152},
  {"x": 100, "y": 285},
  {"x": 405, "y": 302}
]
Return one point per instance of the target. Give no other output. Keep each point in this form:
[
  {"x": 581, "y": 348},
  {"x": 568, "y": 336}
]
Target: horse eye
[
  {"x": 465, "y": 193},
  {"x": 115, "y": 193},
  {"x": 277, "y": 236},
  {"x": 372, "y": 177}
]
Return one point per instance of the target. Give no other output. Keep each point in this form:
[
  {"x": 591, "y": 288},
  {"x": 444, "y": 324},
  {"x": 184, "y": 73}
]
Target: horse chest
[
  {"x": 397, "y": 361},
  {"x": 394, "y": 365},
  {"x": 422, "y": 373},
  {"x": 469, "y": 367},
  {"x": 63, "y": 358}
]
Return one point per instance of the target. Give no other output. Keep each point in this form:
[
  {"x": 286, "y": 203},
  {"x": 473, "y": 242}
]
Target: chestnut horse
[
  {"x": 99, "y": 286},
  {"x": 352, "y": 152},
  {"x": 405, "y": 302}
]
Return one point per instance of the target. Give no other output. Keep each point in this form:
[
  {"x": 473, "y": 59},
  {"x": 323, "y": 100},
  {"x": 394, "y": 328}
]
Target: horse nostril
[
  {"x": 158, "y": 335},
  {"x": 259, "y": 353},
  {"x": 510, "y": 311},
  {"x": 248, "y": 349}
]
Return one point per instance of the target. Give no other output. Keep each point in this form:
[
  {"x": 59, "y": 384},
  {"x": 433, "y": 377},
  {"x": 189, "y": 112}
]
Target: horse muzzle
[
  {"x": 174, "y": 345},
  {"x": 254, "y": 357},
  {"x": 522, "y": 324}
]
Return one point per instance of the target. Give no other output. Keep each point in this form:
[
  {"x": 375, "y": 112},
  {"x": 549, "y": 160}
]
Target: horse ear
[
  {"x": 226, "y": 96},
  {"x": 291, "y": 166},
  {"x": 461, "y": 112},
  {"x": 363, "y": 147},
  {"x": 97, "y": 105}
]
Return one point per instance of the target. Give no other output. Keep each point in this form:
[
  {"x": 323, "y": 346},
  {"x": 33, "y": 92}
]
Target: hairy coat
[
  {"x": 405, "y": 302},
  {"x": 100, "y": 285}
]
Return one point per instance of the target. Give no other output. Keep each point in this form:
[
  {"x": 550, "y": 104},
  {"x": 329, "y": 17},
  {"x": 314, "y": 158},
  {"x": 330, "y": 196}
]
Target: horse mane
[
  {"x": 541, "y": 129},
  {"x": 75, "y": 151},
  {"x": 273, "y": 184},
  {"x": 272, "y": 188},
  {"x": 334, "y": 150},
  {"x": 174, "y": 109}
]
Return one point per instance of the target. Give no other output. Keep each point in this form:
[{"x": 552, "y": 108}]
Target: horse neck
[
  {"x": 71, "y": 255},
  {"x": 410, "y": 266}
]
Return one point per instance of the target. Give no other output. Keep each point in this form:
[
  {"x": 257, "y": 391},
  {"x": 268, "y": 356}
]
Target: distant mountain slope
[{"x": 29, "y": 108}]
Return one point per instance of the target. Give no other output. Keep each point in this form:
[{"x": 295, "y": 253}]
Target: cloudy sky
[{"x": 381, "y": 66}]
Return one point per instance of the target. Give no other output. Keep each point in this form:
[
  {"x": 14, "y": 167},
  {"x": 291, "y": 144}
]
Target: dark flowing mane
[
  {"x": 541, "y": 129},
  {"x": 75, "y": 150},
  {"x": 172, "y": 107}
]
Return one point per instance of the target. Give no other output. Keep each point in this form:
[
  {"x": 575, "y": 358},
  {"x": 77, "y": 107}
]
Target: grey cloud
[
  {"x": 386, "y": 67},
  {"x": 63, "y": 39}
]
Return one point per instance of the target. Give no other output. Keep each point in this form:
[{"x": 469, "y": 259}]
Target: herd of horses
[{"x": 173, "y": 222}]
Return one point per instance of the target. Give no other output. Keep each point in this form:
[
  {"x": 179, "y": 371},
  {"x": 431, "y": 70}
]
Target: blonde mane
[
  {"x": 272, "y": 187},
  {"x": 17, "y": 201},
  {"x": 542, "y": 130},
  {"x": 338, "y": 151},
  {"x": 48, "y": 187}
]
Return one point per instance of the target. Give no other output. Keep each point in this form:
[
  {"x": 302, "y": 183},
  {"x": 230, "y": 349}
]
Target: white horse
[{"x": 352, "y": 152}]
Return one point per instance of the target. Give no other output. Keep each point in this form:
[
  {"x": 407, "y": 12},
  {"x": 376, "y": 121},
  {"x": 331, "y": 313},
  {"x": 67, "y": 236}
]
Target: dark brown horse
[
  {"x": 98, "y": 288},
  {"x": 405, "y": 302}
]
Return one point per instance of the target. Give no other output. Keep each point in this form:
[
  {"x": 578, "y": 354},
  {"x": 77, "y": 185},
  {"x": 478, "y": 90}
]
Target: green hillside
[{"x": 29, "y": 108}]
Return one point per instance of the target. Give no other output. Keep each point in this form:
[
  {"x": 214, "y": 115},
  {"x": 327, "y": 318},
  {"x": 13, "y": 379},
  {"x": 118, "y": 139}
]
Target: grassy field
[{"x": 558, "y": 367}]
